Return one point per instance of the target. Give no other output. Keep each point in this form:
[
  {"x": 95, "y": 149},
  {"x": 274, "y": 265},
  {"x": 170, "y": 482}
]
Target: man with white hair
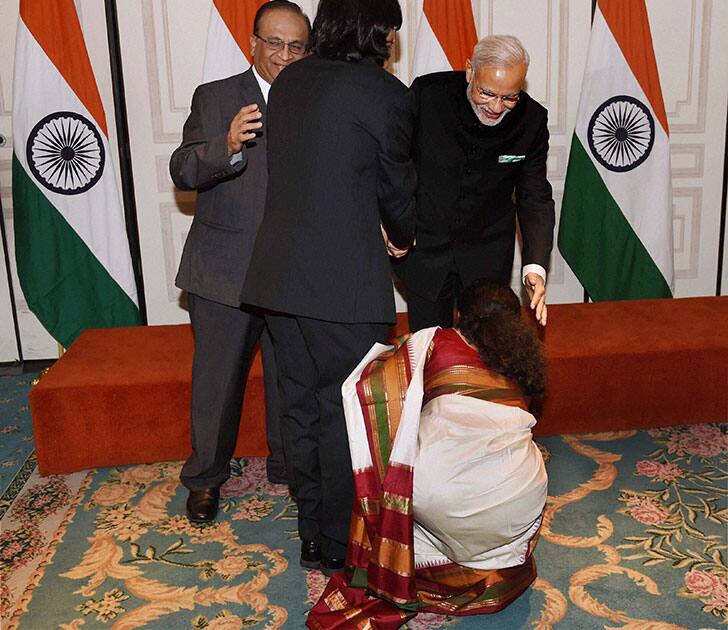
[{"x": 480, "y": 148}]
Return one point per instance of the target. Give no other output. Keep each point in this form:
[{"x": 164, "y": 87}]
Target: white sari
[
  {"x": 479, "y": 484},
  {"x": 479, "y": 480}
]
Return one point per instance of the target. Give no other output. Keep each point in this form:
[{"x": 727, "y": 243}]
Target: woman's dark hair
[
  {"x": 490, "y": 319},
  {"x": 352, "y": 30}
]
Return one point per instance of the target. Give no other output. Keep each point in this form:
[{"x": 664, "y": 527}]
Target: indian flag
[
  {"x": 616, "y": 218},
  {"x": 445, "y": 36},
  {"x": 71, "y": 247},
  {"x": 228, "y": 38}
]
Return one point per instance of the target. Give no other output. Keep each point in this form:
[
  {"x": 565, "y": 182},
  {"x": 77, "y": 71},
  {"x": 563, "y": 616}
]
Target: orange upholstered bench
[
  {"x": 635, "y": 364},
  {"x": 121, "y": 396}
]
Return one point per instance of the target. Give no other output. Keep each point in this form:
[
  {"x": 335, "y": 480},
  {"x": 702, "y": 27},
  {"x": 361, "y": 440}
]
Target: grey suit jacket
[{"x": 230, "y": 198}]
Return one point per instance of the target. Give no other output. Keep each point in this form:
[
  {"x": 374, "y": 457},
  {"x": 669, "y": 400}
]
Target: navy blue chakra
[
  {"x": 65, "y": 153},
  {"x": 621, "y": 133}
]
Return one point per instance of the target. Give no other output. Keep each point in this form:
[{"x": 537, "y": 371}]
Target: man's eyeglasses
[
  {"x": 274, "y": 44},
  {"x": 509, "y": 100}
]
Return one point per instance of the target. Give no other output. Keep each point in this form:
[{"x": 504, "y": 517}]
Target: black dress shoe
[
  {"x": 329, "y": 566},
  {"x": 310, "y": 554},
  {"x": 202, "y": 505}
]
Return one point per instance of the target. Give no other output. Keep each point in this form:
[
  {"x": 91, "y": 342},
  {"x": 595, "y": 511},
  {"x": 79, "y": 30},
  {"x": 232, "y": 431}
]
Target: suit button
[{"x": 468, "y": 171}]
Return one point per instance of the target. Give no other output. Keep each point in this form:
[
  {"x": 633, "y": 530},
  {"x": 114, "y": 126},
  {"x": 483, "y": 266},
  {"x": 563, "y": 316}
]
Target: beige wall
[
  {"x": 8, "y": 16},
  {"x": 163, "y": 46}
]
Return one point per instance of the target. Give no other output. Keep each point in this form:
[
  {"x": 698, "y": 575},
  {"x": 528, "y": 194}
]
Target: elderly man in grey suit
[{"x": 223, "y": 158}]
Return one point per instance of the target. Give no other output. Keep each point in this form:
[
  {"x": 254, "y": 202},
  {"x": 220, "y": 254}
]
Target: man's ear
[
  {"x": 468, "y": 71},
  {"x": 253, "y": 42}
]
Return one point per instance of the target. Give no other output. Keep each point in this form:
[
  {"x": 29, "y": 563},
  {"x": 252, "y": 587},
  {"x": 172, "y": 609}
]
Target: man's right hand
[
  {"x": 242, "y": 128},
  {"x": 536, "y": 289}
]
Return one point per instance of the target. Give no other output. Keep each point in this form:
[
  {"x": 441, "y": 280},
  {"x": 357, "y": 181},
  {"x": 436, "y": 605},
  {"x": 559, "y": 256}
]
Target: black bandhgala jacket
[{"x": 473, "y": 181}]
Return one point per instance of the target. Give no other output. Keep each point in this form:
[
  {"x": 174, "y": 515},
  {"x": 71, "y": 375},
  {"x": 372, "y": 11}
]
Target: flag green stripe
[
  {"x": 597, "y": 241},
  {"x": 64, "y": 284}
]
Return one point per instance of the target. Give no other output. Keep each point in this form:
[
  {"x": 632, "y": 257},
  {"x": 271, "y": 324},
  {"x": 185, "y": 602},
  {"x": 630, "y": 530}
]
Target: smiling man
[
  {"x": 223, "y": 158},
  {"x": 480, "y": 149}
]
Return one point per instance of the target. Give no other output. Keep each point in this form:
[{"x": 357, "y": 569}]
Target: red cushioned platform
[
  {"x": 121, "y": 396},
  {"x": 636, "y": 364}
]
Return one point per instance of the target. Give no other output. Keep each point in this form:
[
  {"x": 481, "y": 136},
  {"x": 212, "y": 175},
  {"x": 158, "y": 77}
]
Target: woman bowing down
[{"x": 450, "y": 487}]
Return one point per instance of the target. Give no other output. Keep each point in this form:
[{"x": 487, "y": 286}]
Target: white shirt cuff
[
  {"x": 238, "y": 157},
  {"x": 533, "y": 268}
]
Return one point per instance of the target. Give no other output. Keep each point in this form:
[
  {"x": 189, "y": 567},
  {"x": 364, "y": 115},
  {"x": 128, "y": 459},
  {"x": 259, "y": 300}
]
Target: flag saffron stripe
[
  {"x": 238, "y": 17},
  {"x": 452, "y": 23},
  {"x": 56, "y": 28},
  {"x": 630, "y": 26}
]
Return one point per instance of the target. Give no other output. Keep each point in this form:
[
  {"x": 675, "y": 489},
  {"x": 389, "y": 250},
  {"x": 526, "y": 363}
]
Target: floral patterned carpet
[{"x": 634, "y": 537}]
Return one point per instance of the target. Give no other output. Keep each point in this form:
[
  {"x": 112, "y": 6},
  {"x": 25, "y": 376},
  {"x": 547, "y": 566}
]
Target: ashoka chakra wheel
[
  {"x": 621, "y": 133},
  {"x": 65, "y": 153}
]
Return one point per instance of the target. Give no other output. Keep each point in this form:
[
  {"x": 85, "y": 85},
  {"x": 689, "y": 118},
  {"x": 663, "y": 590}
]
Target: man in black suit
[
  {"x": 223, "y": 158},
  {"x": 338, "y": 156},
  {"x": 480, "y": 149}
]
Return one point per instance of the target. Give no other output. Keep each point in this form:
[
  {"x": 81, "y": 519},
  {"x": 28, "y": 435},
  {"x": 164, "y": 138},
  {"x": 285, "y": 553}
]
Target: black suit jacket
[
  {"x": 338, "y": 154},
  {"x": 230, "y": 198},
  {"x": 469, "y": 193}
]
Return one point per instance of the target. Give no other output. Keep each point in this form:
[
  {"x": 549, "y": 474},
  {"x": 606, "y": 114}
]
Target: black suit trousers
[
  {"x": 424, "y": 313},
  {"x": 314, "y": 358},
  {"x": 225, "y": 338}
]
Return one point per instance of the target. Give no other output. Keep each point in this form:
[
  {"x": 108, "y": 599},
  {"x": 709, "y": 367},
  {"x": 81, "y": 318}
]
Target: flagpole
[
  {"x": 721, "y": 234},
  {"x": 593, "y": 11},
  {"x": 13, "y": 308},
  {"x": 125, "y": 166}
]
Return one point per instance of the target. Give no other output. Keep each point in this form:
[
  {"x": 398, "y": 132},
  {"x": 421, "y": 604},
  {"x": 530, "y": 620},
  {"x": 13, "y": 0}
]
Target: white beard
[{"x": 488, "y": 122}]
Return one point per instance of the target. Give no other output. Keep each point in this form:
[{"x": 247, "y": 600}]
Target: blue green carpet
[
  {"x": 16, "y": 428},
  {"x": 634, "y": 537}
]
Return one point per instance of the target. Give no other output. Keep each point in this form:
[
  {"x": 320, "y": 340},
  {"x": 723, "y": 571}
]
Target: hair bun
[{"x": 490, "y": 308}]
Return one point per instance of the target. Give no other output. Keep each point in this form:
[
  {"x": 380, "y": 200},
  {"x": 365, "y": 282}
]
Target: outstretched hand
[
  {"x": 536, "y": 289},
  {"x": 242, "y": 127}
]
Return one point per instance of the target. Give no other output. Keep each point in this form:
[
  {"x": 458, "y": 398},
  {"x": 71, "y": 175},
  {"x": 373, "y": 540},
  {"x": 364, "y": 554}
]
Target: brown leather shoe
[{"x": 202, "y": 505}]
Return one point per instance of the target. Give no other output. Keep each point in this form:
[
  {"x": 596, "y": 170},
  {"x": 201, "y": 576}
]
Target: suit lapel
[
  {"x": 251, "y": 94},
  {"x": 251, "y": 90}
]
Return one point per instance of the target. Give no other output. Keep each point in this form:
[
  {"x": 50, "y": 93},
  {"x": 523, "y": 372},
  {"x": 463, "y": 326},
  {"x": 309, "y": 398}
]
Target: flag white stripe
[
  {"x": 223, "y": 57},
  {"x": 646, "y": 207},
  {"x": 429, "y": 53},
  {"x": 35, "y": 78}
]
